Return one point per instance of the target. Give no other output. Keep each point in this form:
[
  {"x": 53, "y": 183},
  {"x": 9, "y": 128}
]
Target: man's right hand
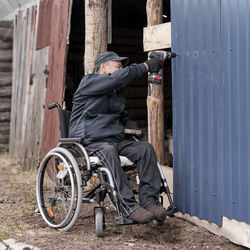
[{"x": 154, "y": 64}]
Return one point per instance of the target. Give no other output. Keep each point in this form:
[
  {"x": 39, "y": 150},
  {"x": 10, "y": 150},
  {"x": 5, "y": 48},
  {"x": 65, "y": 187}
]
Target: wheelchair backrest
[{"x": 64, "y": 117}]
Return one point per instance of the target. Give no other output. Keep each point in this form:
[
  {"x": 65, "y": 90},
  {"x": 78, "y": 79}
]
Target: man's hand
[{"x": 154, "y": 64}]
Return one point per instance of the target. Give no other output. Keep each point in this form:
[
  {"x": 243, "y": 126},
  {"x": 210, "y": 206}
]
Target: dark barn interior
[{"x": 128, "y": 20}]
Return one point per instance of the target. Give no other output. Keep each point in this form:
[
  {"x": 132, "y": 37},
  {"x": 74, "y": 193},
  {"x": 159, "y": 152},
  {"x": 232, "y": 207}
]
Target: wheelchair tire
[
  {"x": 100, "y": 223},
  {"x": 58, "y": 188}
]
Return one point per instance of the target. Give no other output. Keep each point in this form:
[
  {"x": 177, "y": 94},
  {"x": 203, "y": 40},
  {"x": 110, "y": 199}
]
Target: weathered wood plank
[
  {"x": 55, "y": 86},
  {"x": 44, "y": 24},
  {"x": 157, "y": 37},
  {"x": 133, "y": 131},
  {"x": 34, "y": 125},
  {"x": 24, "y": 30},
  {"x": 31, "y": 24},
  {"x": 20, "y": 30}
]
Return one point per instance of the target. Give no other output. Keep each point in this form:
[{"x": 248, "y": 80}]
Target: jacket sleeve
[{"x": 98, "y": 84}]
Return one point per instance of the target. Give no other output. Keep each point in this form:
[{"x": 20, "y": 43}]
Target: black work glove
[{"x": 155, "y": 64}]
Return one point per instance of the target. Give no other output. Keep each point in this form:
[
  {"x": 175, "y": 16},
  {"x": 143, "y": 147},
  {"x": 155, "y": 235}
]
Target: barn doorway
[{"x": 128, "y": 20}]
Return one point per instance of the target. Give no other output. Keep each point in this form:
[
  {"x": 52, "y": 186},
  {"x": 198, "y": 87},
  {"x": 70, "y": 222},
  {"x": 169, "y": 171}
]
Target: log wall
[{"x": 6, "y": 38}]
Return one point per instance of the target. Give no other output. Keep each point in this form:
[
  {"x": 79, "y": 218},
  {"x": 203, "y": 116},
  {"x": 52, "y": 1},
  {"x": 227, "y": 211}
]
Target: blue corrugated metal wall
[
  {"x": 210, "y": 108},
  {"x": 235, "y": 23}
]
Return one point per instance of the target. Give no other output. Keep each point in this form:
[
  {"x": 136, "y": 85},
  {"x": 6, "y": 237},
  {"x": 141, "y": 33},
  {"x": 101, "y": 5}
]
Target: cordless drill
[{"x": 155, "y": 77}]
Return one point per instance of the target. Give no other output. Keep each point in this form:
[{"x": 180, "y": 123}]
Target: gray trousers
[{"x": 143, "y": 155}]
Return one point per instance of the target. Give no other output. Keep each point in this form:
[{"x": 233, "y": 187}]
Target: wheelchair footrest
[
  {"x": 171, "y": 210},
  {"x": 119, "y": 221}
]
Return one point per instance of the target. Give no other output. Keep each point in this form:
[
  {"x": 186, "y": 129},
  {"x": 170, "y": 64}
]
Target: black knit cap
[{"x": 110, "y": 56}]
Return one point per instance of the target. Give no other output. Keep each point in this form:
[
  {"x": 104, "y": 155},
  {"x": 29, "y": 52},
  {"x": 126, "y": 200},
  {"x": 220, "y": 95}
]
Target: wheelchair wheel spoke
[{"x": 57, "y": 191}]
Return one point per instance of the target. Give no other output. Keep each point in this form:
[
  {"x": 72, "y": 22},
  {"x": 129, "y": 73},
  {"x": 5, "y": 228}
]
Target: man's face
[{"x": 111, "y": 66}]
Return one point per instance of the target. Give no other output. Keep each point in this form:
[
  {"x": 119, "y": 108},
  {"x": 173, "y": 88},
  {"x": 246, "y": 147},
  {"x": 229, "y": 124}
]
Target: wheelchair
[{"x": 66, "y": 170}]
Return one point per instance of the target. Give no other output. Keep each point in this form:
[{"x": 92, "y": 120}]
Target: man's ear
[{"x": 101, "y": 69}]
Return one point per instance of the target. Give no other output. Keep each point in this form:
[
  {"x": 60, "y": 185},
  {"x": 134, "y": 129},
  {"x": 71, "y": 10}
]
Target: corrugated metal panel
[
  {"x": 235, "y": 22},
  {"x": 197, "y": 107},
  {"x": 211, "y": 100}
]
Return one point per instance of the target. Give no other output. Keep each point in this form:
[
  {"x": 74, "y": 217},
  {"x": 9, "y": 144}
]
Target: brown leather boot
[
  {"x": 158, "y": 212},
  {"x": 141, "y": 215}
]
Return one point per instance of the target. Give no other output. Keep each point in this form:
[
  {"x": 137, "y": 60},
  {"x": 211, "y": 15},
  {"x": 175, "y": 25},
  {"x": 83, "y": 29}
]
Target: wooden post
[
  {"x": 96, "y": 40},
  {"x": 96, "y": 32},
  {"x": 155, "y": 99}
]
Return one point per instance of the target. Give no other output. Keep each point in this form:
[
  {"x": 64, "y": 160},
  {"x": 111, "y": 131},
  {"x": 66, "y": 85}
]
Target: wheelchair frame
[{"x": 69, "y": 173}]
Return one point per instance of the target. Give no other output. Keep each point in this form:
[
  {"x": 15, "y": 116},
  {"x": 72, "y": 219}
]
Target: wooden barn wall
[
  {"x": 38, "y": 79},
  {"x": 128, "y": 42},
  {"x": 36, "y": 106},
  {"x": 6, "y": 38},
  {"x": 23, "y": 45},
  {"x": 44, "y": 24},
  {"x": 56, "y": 70}
]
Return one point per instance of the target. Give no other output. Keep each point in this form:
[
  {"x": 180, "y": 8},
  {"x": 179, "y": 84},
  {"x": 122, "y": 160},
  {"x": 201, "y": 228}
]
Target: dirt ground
[{"x": 20, "y": 220}]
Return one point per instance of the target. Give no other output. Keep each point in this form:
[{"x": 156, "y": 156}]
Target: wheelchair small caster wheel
[{"x": 100, "y": 223}]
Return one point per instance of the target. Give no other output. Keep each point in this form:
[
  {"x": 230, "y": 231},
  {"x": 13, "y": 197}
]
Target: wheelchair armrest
[{"x": 70, "y": 140}]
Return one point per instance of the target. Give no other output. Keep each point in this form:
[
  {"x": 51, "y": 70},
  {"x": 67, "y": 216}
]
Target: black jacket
[{"x": 98, "y": 113}]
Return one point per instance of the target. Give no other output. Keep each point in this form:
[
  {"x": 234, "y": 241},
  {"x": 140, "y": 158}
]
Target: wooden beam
[
  {"x": 236, "y": 231},
  {"x": 157, "y": 37},
  {"x": 155, "y": 99},
  {"x": 96, "y": 32}
]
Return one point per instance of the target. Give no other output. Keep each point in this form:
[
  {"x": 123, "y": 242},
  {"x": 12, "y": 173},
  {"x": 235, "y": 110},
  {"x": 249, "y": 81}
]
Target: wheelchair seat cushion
[{"x": 124, "y": 161}]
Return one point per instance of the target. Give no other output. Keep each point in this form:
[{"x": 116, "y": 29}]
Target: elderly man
[{"x": 99, "y": 118}]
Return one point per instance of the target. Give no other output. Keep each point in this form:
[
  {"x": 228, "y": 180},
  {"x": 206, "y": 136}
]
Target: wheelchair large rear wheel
[{"x": 59, "y": 191}]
